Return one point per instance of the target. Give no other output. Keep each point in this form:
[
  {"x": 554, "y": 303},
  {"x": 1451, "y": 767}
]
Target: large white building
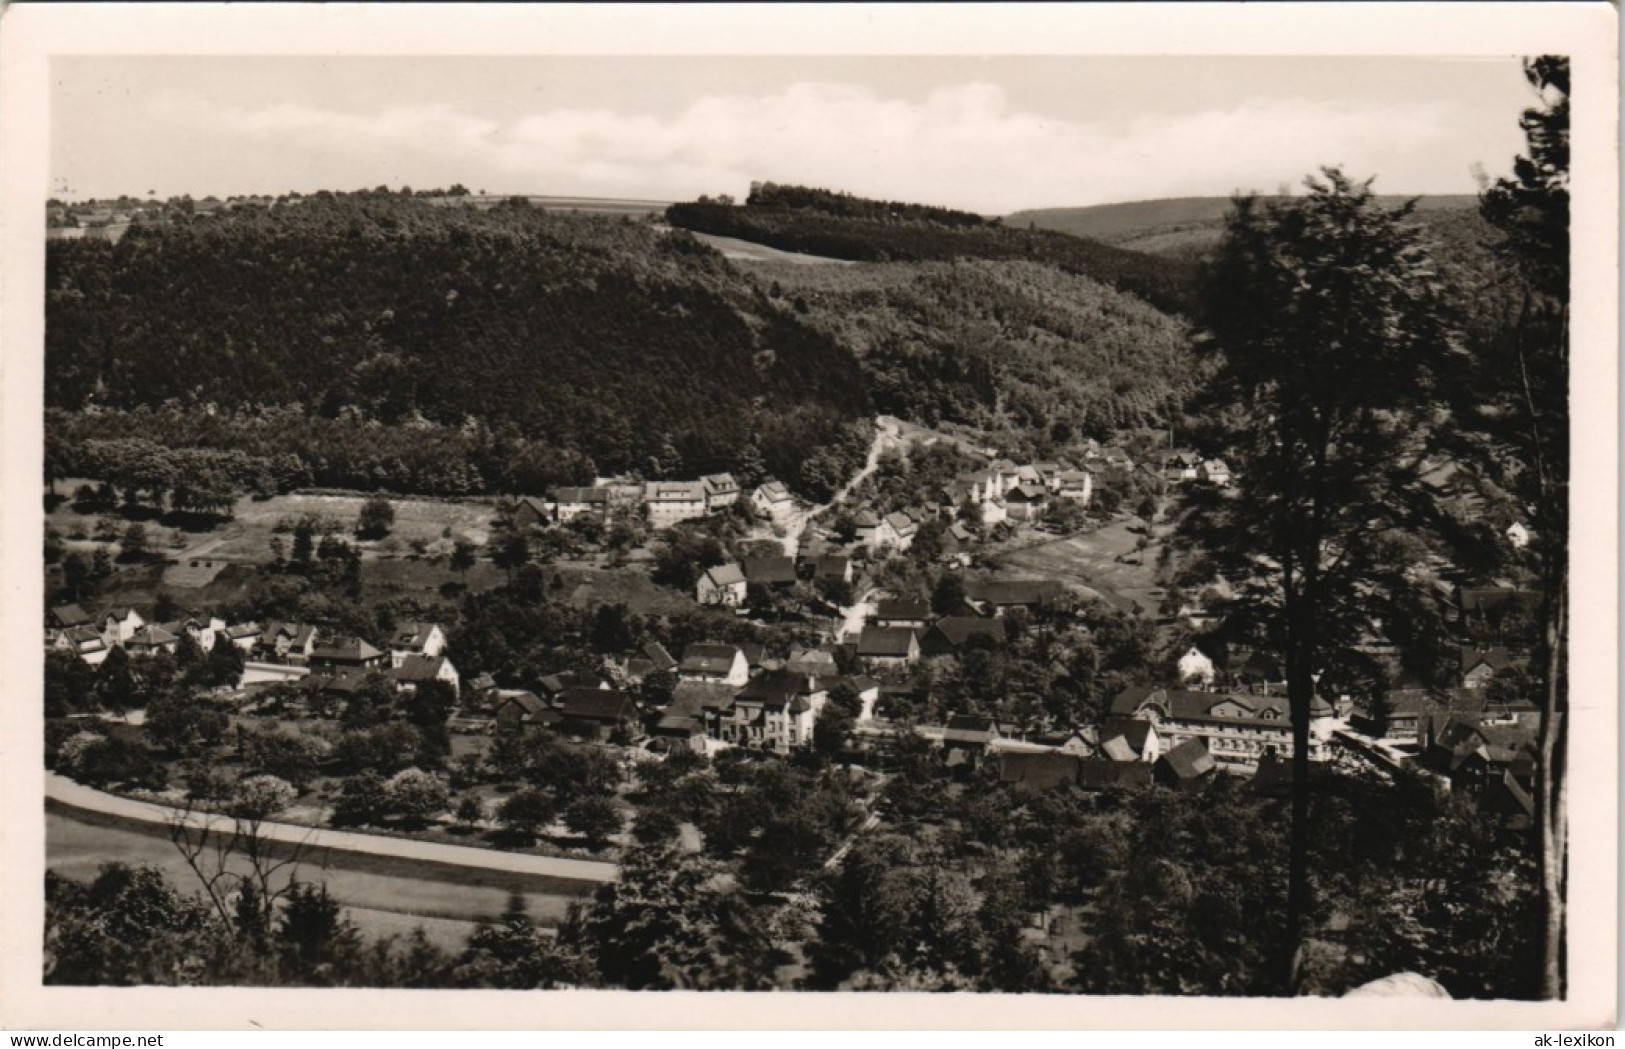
[{"x": 1238, "y": 730}]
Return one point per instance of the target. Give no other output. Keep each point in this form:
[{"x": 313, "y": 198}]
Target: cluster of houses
[
  {"x": 724, "y": 695},
  {"x": 727, "y": 585},
  {"x": 278, "y": 651},
  {"x": 901, "y": 631},
  {"x": 1005, "y": 491},
  {"x": 666, "y": 503}
]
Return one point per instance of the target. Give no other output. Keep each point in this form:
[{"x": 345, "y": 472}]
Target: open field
[
  {"x": 1090, "y": 560},
  {"x": 749, "y": 251}
]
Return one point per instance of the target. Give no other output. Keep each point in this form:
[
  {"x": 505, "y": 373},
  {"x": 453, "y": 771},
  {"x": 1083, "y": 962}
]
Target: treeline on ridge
[
  {"x": 818, "y": 222},
  {"x": 372, "y": 335}
]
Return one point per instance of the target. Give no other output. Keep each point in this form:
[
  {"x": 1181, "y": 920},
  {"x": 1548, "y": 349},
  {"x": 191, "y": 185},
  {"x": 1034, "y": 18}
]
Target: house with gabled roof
[
  {"x": 416, "y": 639},
  {"x": 349, "y": 653},
  {"x": 1077, "y": 485},
  {"x": 832, "y": 568},
  {"x": 66, "y": 617},
  {"x": 1214, "y": 472},
  {"x": 569, "y": 502},
  {"x": 1196, "y": 666},
  {"x": 773, "y": 500},
  {"x": 531, "y": 512},
  {"x": 774, "y": 571},
  {"x": 1130, "y": 739},
  {"x": 598, "y": 712},
  {"x": 708, "y": 661},
  {"x": 895, "y": 531},
  {"x": 888, "y": 646},
  {"x": 720, "y": 490},
  {"x": 283, "y": 642},
  {"x": 1186, "y": 766},
  {"x": 82, "y": 641},
  {"x": 913, "y": 612},
  {"x": 414, "y": 670},
  {"x": 1033, "y": 773},
  {"x": 1479, "y": 665},
  {"x": 119, "y": 624},
  {"x": 152, "y": 639},
  {"x": 516, "y": 710},
  {"x": 952, "y": 635},
  {"x": 774, "y": 711},
  {"x": 723, "y": 585},
  {"x": 669, "y": 502},
  {"x": 1025, "y": 501},
  {"x": 1000, "y": 595}
]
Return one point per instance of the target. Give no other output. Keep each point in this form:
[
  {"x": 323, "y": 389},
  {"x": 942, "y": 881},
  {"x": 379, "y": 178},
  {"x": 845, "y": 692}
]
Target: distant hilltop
[
  {"x": 1176, "y": 225},
  {"x": 109, "y": 218}
]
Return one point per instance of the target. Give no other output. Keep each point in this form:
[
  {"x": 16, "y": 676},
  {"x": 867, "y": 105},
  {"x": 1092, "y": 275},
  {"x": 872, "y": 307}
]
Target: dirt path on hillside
[{"x": 887, "y": 436}]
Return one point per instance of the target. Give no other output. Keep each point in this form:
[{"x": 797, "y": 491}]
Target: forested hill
[
  {"x": 1185, "y": 226},
  {"x": 836, "y": 225},
  {"x": 551, "y": 338},
  {"x": 1020, "y": 349}
]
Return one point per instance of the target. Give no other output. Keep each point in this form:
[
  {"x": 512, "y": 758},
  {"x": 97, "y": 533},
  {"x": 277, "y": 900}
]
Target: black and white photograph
[{"x": 574, "y": 517}]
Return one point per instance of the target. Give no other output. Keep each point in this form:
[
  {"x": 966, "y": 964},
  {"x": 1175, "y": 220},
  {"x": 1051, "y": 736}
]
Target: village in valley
[{"x": 814, "y": 592}]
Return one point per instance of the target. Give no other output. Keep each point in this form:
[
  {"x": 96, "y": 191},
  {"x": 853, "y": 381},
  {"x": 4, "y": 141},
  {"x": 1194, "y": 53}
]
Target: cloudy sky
[{"x": 992, "y": 135}]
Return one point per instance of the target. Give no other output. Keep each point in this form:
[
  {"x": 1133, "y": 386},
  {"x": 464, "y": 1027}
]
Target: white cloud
[{"x": 963, "y": 146}]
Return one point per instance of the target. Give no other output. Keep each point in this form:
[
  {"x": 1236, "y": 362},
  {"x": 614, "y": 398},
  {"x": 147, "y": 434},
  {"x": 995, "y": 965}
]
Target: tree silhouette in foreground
[{"x": 1327, "y": 329}]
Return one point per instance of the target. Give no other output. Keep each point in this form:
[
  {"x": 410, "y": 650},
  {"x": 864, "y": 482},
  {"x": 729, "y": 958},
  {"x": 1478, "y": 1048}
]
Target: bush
[
  {"x": 416, "y": 795},
  {"x": 260, "y": 797},
  {"x": 363, "y": 799}
]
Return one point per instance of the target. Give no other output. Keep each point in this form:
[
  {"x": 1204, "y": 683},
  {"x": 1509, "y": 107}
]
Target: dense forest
[
  {"x": 1014, "y": 348},
  {"x": 373, "y": 335},
  {"x": 817, "y": 222}
]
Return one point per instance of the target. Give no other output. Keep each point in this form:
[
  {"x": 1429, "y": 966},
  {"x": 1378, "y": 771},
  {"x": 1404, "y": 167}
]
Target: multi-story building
[{"x": 1238, "y": 730}]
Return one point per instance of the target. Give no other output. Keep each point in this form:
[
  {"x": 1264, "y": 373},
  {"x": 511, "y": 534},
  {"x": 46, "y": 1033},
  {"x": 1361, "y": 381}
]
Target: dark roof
[
  {"x": 553, "y": 684},
  {"x": 419, "y": 668},
  {"x": 529, "y": 702},
  {"x": 957, "y": 630},
  {"x": 1133, "y": 731},
  {"x": 1495, "y": 658},
  {"x": 776, "y": 688},
  {"x": 70, "y": 616},
  {"x": 725, "y": 575},
  {"x": 903, "y": 608},
  {"x": 753, "y": 651},
  {"x": 1483, "y": 599},
  {"x": 658, "y": 656},
  {"x": 412, "y": 635},
  {"x": 581, "y": 495},
  {"x": 970, "y": 728},
  {"x": 1188, "y": 761},
  {"x": 678, "y": 725},
  {"x": 704, "y": 657},
  {"x": 153, "y": 635},
  {"x": 1026, "y": 493},
  {"x": 832, "y": 566},
  {"x": 1100, "y": 773},
  {"x": 1014, "y": 591},
  {"x": 894, "y": 641},
  {"x": 596, "y": 704},
  {"x": 901, "y": 522},
  {"x": 770, "y": 570},
  {"x": 691, "y": 698},
  {"x": 353, "y": 650},
  {"x": 1274, "y": 775},
  {"x": 1185, "y": 705},
  {"x": 533, "y": 504},
  {"x": 1038, "y": 771}
]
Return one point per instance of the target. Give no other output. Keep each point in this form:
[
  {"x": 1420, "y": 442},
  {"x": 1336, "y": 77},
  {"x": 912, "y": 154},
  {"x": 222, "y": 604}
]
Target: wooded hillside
[
  {"x": 392, "y": 321},
  {"x": 1016, "y": 348}
]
